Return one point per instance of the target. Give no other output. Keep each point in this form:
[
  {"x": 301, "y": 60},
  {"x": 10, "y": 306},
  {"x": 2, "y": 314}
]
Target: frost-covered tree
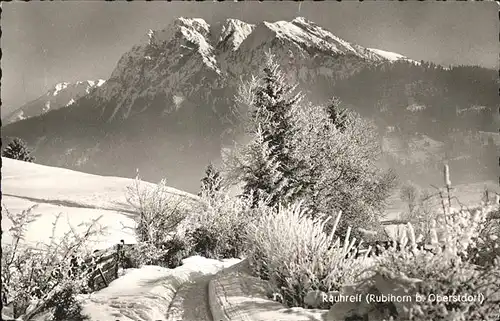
[
  {"x": 409, "y": 194},
  {"x": 267, "y": 163},
  {"x": 325, "y": 156},
  {"x": 211, "y": 182},
  {"x": 338, "y": 115},
  {"x": 17, "y": 149},
  {"x": 261, "y": 175},
  {"x": 339, "y": 152}
]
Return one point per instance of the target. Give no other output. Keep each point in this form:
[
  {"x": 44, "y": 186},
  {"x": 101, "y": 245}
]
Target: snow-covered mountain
[
  {"x": 169, "y": 100},
  {"x": 195, "y": 62},
  {"x": 61, "y": 95},
  {"x": 392, "y": 56}
]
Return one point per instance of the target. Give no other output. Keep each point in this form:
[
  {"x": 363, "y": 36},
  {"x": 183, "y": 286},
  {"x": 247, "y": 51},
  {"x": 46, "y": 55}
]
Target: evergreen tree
[
  {"x": 17, "y": 149},
  {"x": 271, "y": 114},
  {"x": 211, "y": 182},
  {"x": 339, "y": 116},
  {"x": 263, "y": 181}
]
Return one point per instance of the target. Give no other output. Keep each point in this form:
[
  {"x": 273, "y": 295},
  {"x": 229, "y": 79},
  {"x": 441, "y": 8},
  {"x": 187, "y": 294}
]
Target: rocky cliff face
[{"x": 192, "y": 63}]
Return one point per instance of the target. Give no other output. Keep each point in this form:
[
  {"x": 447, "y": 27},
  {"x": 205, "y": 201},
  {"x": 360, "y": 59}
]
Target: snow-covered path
[
  {"x": 191, "y": 302},
  {"x": 199, "y": 290},
  {"x": 156, "y": 293},
  {"x": 236, "y": 295}
]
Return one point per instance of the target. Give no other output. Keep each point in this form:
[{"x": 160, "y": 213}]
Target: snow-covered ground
[
  {"x": 79, "y": 197},
  {"x": 147, "y": 293},
  {"x": 151, "y": 293}
]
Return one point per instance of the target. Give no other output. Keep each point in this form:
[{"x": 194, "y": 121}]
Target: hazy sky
[{"x": 44, "y": 43}]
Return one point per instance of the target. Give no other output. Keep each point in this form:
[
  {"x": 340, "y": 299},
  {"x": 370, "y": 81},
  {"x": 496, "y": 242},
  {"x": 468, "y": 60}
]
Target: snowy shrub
[
  {"x": 460, "y": 257},
  {"x": 487, "y": 242},
  {"x": 167, "y": 254},
  {"x": 65, "y": 306},
  {"x": 218, "y": 229},
  {"x": 444, "y": 272},
  {"x": 423, "y": 212},
  {"x": 410, "y": 194},
  {"x": 292, "y": 251},
  {"x": 43, "y": 278},
  {"x": 442, "y": 217},
  {"x": 159, "y": 212},
  {"x": 427, "y": 277},
  {"x": 17, "y": 149}
]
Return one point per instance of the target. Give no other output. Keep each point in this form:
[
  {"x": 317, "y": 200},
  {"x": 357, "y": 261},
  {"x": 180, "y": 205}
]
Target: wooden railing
[{"x": 103, "y": 265}]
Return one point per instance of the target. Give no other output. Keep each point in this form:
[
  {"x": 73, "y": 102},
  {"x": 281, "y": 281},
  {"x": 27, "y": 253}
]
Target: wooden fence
[{"x": 103, "y": 265}]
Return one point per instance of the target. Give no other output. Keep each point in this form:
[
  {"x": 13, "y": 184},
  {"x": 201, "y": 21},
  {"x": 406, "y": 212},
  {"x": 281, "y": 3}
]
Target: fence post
[
  {"x": 119, "y": 257},
  {"x": 103, "y": 277}
]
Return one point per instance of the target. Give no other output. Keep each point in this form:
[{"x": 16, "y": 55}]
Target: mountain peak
[
  {"x": 300, "y": 20},
  {"x": 197, "y": 24},
  {"x": 304, "y": 33},
  {"x": 61, "y": 95},
  {"x": 92, "y": 83},
  {"x": 233, "y": 33},
  {"x": 181, "y": 24},
  {"x": 58, "y": 87}
]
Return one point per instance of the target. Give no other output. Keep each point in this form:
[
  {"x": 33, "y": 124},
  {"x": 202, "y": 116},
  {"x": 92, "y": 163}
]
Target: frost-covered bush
[
  {"x": 409, "y": 193},
  {"x": 443, "y": 267},
  {"x": 168, "y": 254},
  {"x": 423, "y": 212},
  {"x": 43, "y": 278},
  {"x": 160, "y": 215},
  {"x": 159, "y": 212},
  {"x": 292, "y": 251},
  {"x": 66, "y": 307},
  {"x": 487, "y": 242},
  {"x": 446, "y": 272},
  {"x": 218, "y": 228},
  {"x": 426, "y": 277},
  {"x": 166, "y": 234}
]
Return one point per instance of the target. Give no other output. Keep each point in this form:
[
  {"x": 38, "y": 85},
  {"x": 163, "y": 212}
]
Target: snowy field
[{"x": 79, "y": 197}]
